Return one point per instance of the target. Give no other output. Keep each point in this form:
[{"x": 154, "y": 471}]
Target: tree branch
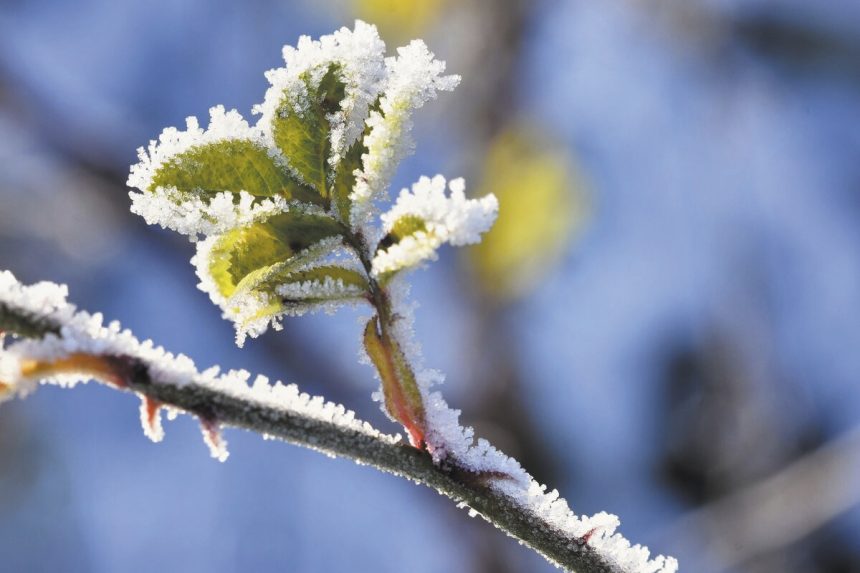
[
  {"x": 382, "y": 452},
  {"x": 58, "y": 344}
]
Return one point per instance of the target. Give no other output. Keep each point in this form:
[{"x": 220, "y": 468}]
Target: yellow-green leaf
[
  {"x": 403, "y": 400},
  {"x": 344, "y": 178},
  {"x": 303, "y": 135},
  {"x": 402, "y": 228},
  {"x": 230, "y": 165},
  {"x": 244, "y": 257}
]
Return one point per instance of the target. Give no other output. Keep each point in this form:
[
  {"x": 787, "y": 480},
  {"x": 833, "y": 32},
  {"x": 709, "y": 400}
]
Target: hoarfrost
[
  {"x": 327, "y": 289},
  {"x": 252, "y": 311},
  {"x": 450, "y": 443},
  {"x": 193, "y": 216},
  {"x": 82, "y": 333},
  {"x": 414, "y": 77},
  {"x": 359, "y": 55},
  {"x": 452, "y": 219}
]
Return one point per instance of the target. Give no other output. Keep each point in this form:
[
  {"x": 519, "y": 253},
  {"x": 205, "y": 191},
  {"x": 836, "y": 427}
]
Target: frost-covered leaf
[
  {"x": 294, "y": 292},
  {"x": 241, "y": 259},
  {"x": 291, "y": 288},
  {"x": 344, "y": 179},
  {"x": 302, "y": 131},
  {"x": 414, "y": 77},
  {"x": 231, "y": 165},
  {"x": 316, "y": 284},
  {"x": 206, "y": 181},
  {"x": 425, "y": 218},
  {"x": 403, "y": 400}
]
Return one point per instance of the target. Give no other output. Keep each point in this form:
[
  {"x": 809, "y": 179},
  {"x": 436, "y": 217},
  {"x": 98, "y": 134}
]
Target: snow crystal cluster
[
  {"x": 413, "y": 78},
  {"x": 359, "y": 56},
  {"x": 192, "y": 215},
  {"x": 455, "y": 220},
  {"x": 82, "y": 333}
]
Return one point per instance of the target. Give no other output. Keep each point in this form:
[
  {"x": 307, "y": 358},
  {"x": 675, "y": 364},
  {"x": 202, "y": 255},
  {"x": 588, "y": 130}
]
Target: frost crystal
[
  {"x": 451, "y": 443},
  {"x": 358, "y": 54},
  {"x": 252, "y": 311},
  {"x": 413, "y": 78},
  {"x": 83, "y": 334},
  {"x": 453, "y": 219},
  {"x": 192, "y": 216},
  {"x": 326, "y": 289}
]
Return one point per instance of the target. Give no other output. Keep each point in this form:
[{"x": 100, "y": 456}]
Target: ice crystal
[
  {"x": 453, "y": 219},
  {"x": 414, "y": 77},
  {"x": 82, "y": 333},
  {"x": 253, "y": 311},
  {"x": 359, "y": 56},
  {"x": 193, "y": 216},
  {"x": 450, "y": 443}
]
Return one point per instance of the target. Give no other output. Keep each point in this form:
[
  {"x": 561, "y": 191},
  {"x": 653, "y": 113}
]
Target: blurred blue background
[{"x": 665, "y": 325}]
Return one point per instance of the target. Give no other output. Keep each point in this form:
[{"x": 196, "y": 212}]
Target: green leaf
[
  {"x": 231, "y": 165},
  {"x": 344, "y": 178},
  {"x": 402, "y": 228},
  {"x": 277, "y": 304},
  {"x": 403, "y": 400},
  {"x": 244, "y": 257},
  {"x": 317, "y": 274},
  {"x": 303, "y": 135}
]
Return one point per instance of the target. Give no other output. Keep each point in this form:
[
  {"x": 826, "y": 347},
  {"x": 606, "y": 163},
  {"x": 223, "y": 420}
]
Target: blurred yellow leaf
[
  {"x": 541, "y": 203},
  {"x": 399, "y": 20}
]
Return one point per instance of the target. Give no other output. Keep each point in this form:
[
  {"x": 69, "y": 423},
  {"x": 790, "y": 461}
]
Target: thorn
[
  {"x": 213, "y": 438},
  {"x": 150, "y": 418}
]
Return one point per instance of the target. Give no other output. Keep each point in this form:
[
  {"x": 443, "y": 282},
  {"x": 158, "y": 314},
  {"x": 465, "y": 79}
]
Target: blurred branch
[
  {"x": 795, "y": 43},
  {"x": 359, "y": 443},
  {"x": 783, "y": 508}
]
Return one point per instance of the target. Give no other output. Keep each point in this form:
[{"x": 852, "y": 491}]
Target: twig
[
  {"x": 380, "y": 451},
  {"x": 782, "y": 508}
]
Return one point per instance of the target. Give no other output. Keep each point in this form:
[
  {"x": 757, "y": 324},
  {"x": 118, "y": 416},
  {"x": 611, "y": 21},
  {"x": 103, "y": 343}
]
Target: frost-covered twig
[{"x": 55, "y": 343}]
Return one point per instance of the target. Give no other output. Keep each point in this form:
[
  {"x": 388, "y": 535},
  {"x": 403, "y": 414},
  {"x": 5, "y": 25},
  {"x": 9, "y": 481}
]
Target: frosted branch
[{"x": 57, "y": 344}]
